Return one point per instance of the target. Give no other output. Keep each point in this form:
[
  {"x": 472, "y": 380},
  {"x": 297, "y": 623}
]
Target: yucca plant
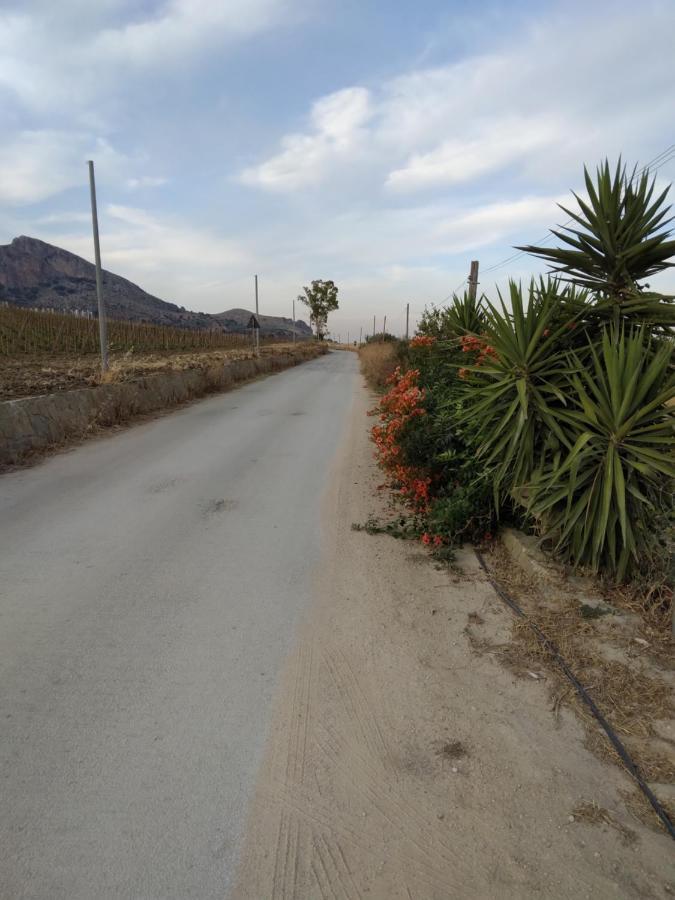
[
  {"x": 514, "y": 391},
  {"x": 620, "y": 238},
  {"x": 464, "y": 315},
  {"x": 604, "y": 502}
]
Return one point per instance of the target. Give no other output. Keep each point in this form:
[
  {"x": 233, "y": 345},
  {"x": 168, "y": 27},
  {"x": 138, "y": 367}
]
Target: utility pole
[
  {"x": 473, "y": 279},
  {"x": 373, "y": 327},
  {"x": 360, "y": 335},
  {"x": 293, "y": 319},
  {"x": 257, "y": 330},
  {"x": 384, "y": 328},
  {"x": 407, "y": 320},
  {"x": 102, "y": 325},
  {"x": 347, "y": 338}
]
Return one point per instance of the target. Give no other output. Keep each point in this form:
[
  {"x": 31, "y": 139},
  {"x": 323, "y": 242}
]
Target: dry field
[
  {"x": 42, "y": 373},
  {"x": 42, "y": 352}
]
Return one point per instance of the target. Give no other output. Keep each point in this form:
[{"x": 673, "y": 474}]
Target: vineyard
[{"x": 28, "y": 332}]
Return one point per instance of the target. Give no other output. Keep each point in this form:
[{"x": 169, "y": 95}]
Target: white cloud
[
  {"x": 338, "y": 130},
  {"x": 145, "y": 181},
  {"x": 167, "y": 257},
  {"x": 151, "y": 243},
  {"x": 36, "y": 165},
  {"x": 184, "y": 26},
  {"x": 540, "y": 105},
  {"x": 457, "y": 160},
  {"x": 60, "y": 58},
  {"x": 497, "y": 221}
]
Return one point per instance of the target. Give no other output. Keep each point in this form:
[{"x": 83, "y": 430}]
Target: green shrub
[
  {"x": 512, "y": 393},
  {"x": 605, "y": 502}
]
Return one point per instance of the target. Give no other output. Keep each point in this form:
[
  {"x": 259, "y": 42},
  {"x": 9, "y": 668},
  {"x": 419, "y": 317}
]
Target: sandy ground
[{"x": 406, "y": 763}]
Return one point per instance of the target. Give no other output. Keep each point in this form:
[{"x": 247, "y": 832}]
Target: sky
[{"x": 379, "y": 143}]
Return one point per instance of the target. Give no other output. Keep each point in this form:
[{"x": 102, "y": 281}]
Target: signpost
[{"x": 254, "y": 325}]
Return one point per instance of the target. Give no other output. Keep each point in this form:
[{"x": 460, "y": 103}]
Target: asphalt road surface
[{"x": 150, "y": 584}]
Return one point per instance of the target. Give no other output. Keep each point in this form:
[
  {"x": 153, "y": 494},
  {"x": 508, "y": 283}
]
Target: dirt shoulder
[{"x": 406, "y": 762}]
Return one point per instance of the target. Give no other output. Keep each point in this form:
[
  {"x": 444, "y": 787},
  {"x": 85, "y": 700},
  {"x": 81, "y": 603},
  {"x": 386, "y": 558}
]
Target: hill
[
  {"x": 237, "y": 320},
  {"x": 39, "y": 275}
]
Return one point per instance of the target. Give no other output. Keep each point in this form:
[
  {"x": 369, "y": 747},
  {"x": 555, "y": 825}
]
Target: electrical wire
[{"x": 548, "y": 645}]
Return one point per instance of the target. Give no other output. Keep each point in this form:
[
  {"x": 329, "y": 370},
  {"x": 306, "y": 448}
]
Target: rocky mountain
[{"x": 39, "y": 275}]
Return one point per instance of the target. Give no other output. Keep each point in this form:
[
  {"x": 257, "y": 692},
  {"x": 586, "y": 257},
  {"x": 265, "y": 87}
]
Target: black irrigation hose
[{"x": 585, "y": 696}]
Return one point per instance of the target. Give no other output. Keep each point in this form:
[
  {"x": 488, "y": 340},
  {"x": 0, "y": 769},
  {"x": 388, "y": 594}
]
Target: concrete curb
[
  {"x": 33, "y": 424},
  {"x": 525, "y": 553}
]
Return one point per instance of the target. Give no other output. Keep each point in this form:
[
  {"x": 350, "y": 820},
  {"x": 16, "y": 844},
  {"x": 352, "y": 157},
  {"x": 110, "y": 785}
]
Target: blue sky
[{"x": 381, "y": 144}]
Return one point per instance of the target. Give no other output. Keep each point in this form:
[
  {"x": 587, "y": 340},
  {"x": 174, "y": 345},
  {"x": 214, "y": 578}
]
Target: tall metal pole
[
  {"x": 257, "y": 331},
  {"x": 102, "y": 325},
  {"x": 473, "y": 279},
  {"x": 407, "y": 320},
  {"x": 293, "y": 319}
]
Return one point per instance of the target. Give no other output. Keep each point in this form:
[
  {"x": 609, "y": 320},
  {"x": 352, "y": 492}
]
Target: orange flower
[{"x": 422, "y": 340}]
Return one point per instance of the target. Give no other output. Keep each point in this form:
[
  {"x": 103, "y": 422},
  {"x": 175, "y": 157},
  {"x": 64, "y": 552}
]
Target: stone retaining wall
[{"x": 36, "y": 423}]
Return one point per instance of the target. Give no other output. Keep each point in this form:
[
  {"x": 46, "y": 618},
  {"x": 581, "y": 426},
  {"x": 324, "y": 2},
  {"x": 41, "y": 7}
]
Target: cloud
[
  {"x": 337, "y": 133},
  {"x": 151, "y": 243},
  {"x": 38, "y": 164},
  {"x": 59, "y": 59},
  {"x": 539, "y": 107},
  {"x": 145, "y": 181},
  {"x": 457, "y": 160},
  {"x": 157, "y": 253},
  {"x": 184, "y": 26}
]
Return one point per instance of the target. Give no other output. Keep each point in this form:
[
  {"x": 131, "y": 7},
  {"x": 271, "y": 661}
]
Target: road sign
[{"x": 253, "y": 323}]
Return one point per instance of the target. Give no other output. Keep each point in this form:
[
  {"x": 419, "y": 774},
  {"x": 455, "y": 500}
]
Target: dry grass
[
  {"x": 28, "y": 375},
  {"x": 641, "y": 809},
  {"x": 631, "y": 688},
  {"x": 378, "y": 361},
  {"x": 592, "y": 813}
]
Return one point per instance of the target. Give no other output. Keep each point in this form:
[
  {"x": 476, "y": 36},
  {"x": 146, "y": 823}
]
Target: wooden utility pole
[
  {"x": 473, "y": 279},
  {"x": 360, "y": 335},
  {"x": 407, "y": 320},
  {"x": 384, "y": 328},
  {"x": 102, "y": 325},
  {"x": 294, "y": 320}
]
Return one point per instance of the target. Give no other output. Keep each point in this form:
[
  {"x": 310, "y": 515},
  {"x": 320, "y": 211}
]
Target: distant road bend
[{"x": 150, "y": 585}]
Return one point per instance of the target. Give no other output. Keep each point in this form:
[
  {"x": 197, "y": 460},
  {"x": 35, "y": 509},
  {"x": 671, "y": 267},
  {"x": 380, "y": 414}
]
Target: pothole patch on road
[{"x": 214, "y": 507}]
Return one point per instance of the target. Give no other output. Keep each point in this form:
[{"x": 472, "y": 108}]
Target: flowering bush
[
  {"x": 470, "y": 343},
  {"x": 397, "y": 408},
  {"x": 430, "y": 463},
  {"x": 555, "y": 406},
  {"x": 422, "y": 340}
]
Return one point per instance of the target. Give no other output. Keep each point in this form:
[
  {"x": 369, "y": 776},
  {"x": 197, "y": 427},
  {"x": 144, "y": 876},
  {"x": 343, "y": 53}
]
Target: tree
[{"x": 321, "y": 298}]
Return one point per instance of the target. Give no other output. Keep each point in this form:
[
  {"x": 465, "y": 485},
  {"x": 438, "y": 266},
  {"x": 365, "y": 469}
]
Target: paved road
[{"x": 150, "y": 583}]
